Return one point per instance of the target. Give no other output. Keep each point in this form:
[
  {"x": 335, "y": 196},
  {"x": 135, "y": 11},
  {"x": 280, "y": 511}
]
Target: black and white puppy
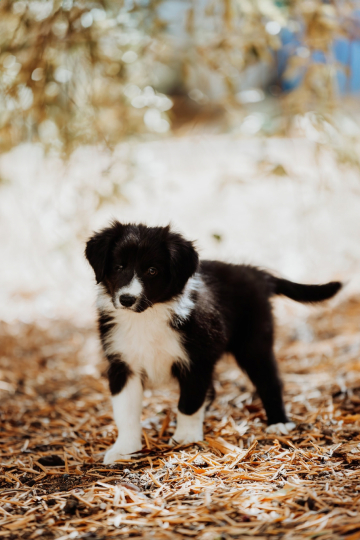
[{"x": 166, "y": 316}]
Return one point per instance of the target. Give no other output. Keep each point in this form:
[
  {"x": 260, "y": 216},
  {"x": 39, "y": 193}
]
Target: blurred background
[{"x": 235, "y": 120}]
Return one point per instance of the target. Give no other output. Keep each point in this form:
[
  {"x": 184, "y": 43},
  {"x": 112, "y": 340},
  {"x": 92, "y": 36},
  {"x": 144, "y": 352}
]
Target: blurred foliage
[{"x": 84, "y": 72}]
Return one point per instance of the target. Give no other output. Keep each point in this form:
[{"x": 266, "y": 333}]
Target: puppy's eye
[
  {"x": 120, "y": 267},
  {"x": 152, "y": 271}
]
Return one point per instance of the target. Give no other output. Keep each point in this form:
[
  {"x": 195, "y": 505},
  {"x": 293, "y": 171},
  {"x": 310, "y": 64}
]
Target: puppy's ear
[
  {"x": 98, "y": 249},
  {"x": 184, "y": 259}
]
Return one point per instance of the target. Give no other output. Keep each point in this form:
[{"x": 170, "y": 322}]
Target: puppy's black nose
[{"x": 127, "y": 300}]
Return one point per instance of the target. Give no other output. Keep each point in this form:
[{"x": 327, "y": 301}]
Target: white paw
[
  {"x": 111, "y": 456},
  {"x": 187, "y": 437},
  {"x": 120, "y": 451},
  {"x": 189, "y": 428},
  {"x": 281, "y": 428}
]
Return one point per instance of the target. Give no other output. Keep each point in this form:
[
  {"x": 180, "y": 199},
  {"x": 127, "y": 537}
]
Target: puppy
[{"x": 166, "y": 316}]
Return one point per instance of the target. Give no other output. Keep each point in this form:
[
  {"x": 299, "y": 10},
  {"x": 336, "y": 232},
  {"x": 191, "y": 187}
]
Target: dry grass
[{"x": 56, "y": 422}]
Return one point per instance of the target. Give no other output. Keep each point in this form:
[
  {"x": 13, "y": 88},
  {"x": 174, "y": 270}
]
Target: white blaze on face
[{"x": 134, "y": 288}]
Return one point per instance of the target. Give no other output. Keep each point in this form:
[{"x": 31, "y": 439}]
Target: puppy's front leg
[
  {"x": 127, "y": 414},
  {"x": 194, "y": 386}
]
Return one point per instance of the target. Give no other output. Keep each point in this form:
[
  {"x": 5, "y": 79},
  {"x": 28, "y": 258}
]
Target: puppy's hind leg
[{"x": 260, "y": 365}]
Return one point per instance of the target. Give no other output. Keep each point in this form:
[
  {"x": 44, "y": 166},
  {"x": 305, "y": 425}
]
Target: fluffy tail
[{"x": 306, "y": 293}]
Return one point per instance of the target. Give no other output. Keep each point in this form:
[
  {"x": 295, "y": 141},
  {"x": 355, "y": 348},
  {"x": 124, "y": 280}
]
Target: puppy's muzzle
[{"x": 127, "y": 300}]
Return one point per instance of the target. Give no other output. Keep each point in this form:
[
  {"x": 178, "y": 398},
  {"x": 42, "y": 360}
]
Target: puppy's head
[{"x": 140, "y": 266}]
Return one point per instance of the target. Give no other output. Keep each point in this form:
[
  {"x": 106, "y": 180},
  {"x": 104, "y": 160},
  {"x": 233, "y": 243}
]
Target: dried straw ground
[{"x": 56, "y": 422}]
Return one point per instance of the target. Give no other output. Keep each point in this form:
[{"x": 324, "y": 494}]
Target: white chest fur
[{"x": 146, "y": 341}]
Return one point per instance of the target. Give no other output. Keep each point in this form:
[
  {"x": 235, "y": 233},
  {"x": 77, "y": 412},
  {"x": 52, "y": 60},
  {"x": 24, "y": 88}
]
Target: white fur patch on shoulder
[{"x": 184, "y": 304}]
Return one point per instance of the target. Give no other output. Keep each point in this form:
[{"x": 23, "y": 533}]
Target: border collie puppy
[{"x": 166, "y": 316}]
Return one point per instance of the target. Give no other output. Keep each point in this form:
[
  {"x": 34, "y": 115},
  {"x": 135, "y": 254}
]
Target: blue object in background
[
  {"x": 342, "y": 55},
  {"x": 345, "y": 52},
  {"x": 355, "y": 66}
]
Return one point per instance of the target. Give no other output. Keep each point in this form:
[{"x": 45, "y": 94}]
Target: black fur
[
  {"x": 118, "y": 373},
  {"x": 232, "y": 311},
  {"x": 98, "y": 249},
  {"x": 306, "y": 293},
  {"x": 105, "y": 324}
]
